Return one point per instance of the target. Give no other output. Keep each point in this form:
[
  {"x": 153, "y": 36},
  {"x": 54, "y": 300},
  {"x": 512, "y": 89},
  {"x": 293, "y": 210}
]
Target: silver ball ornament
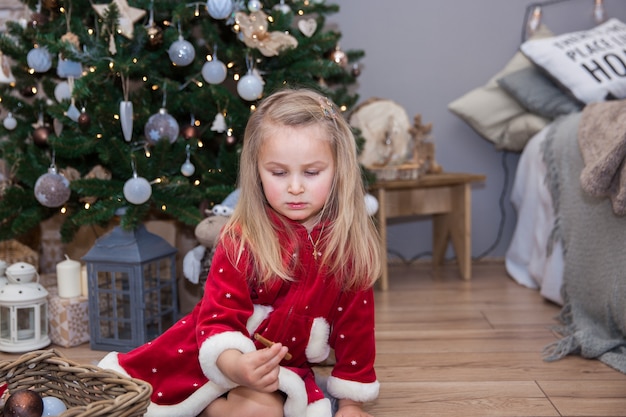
[
  {"x": 250, "y": 87},
  {"x": 161, "y": 126},
  {"x": 181, "y": 52},
  {"x": 214, "y": 72},
  {"x": 52, "y": 189},
  {"x": 137, "y": 190}
]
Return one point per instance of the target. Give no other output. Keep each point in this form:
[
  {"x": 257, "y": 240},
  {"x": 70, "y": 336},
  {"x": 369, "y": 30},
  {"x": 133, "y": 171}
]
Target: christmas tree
[{"x": 134, "y": 108}]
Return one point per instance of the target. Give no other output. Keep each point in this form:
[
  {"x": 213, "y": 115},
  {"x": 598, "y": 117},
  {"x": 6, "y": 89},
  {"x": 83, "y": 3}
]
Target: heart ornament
[{"x": 307, "y": 27}]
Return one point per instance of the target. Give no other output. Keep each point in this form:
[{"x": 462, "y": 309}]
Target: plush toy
[
  {"x": 197, "y": 261},
  {"x": 228, "y": 205}
]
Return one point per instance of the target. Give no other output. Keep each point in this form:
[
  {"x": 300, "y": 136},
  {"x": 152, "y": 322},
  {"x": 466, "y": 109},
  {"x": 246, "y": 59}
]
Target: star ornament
[{"x": 127, "y": 16}]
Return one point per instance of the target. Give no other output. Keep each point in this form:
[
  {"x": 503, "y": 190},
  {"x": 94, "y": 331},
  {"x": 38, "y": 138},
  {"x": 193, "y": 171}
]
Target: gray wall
[{"x": 423, "y": 54}]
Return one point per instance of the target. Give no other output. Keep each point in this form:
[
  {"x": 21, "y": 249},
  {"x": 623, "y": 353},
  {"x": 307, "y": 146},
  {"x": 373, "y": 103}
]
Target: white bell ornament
[{"x": 219, "y": 9}]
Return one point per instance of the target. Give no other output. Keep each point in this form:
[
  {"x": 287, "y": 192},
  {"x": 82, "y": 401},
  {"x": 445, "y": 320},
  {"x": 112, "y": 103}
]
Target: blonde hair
[{"x": 351, "y": 243}]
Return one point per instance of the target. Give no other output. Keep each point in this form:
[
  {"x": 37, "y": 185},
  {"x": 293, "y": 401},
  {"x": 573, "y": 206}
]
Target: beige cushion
[{"x": 496, "y": 115}]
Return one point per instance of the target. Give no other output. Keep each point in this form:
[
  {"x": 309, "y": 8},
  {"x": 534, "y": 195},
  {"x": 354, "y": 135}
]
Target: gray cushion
[{"x": 538, "y": 94}]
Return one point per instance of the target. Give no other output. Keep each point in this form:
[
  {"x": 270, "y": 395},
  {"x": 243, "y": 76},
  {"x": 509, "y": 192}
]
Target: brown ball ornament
[
  {"x": 84, "y": 120},
  {"x": 29, "y": 90},
  {"x": 231, "y": 140},
  {"x": 155, "y": 37},
  {"x": 37, "y": 20},
  {"x": 50, "y": 4},
  {"x": 23, "y": 403},
  {"x": 339, "y": 57},
  {"x": 41, "y": 136},
  {"x": 190, "y": 132}
]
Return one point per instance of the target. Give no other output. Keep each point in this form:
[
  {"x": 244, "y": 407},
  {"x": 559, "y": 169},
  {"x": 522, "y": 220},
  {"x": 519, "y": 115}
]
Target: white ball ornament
[
  {"x": 187, "y": 168},
  {"x": 214, "y": 72},
  {"x": 62, "y": 91},
  {"x": 137, "y": 190},
  {"x": 52, "y": 189},
  {"x": 161, "y": 126},
  {"x": 9, "y": 122},
  {"x": 371, "y": 204},
  {"x": 250, "y": 87},
  {"x": 53, "y": 406},
  {"x": 282, "y": 7},
  {"x": 181, "y": 52},
  {"x": 219, "y": 9},
  {"x": 39, "y": 59},
  {"x": 254, "y": 5}
]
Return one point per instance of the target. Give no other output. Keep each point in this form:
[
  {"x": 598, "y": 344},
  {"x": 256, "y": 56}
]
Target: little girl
[{"x": 290, "y": 280}]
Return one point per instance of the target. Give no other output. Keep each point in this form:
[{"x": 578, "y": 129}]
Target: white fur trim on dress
[
  {"x": 318, "y": 349},
  {"x": 320, "y": 408},
  {"x": 293, "y": 386},
  {"x": 213, "y": 347},
  {"x": 259, "y": 314},
  {"x": 355, "y": 391},
  {"x": 190, "y": 407}
]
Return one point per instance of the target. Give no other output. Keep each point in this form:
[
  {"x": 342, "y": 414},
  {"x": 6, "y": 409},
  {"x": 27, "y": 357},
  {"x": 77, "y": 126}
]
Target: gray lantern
[{"x": 132, "y": 289}]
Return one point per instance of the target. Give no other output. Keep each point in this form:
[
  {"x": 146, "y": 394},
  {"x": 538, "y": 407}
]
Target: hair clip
[{"x": 328, "y": 108}]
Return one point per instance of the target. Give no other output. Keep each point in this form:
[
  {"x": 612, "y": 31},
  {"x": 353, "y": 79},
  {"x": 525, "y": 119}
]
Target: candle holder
[
  {"x": 132, "y": 288},
  {"x": 23, "y": 310}
]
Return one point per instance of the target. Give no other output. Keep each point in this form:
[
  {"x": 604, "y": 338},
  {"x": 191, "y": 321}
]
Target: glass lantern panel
[
  {"x": 25, "y": 323},
  {"x": 159, "y": 296},
  {"x": 5, "y": 322},
  {"x": 43, "y": 319},
  {"x": 114, "y": 305}
]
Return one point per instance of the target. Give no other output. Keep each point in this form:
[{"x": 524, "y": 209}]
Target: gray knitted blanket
[{"x": 594, "y": 239}]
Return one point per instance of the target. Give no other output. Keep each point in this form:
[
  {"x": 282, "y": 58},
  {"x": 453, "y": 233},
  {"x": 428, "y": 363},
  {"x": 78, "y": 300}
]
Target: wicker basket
[{"x": 86, "y": 390}]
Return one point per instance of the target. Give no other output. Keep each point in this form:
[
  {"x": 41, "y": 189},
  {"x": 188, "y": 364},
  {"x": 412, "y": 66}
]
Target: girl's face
[{"x": 296, "y": 168}]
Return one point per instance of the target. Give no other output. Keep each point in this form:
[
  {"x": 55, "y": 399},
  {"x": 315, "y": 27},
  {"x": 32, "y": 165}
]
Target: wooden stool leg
[
  {"x": 460, "y": 228},
  {"x": 441, "y": 237}
]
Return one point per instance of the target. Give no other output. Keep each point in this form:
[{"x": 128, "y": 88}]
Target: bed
[{"x": 560, "y": 104}]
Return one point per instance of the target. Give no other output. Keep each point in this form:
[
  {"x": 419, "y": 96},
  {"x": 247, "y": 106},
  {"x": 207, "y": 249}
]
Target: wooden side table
[{"x": 447, "y": 197}]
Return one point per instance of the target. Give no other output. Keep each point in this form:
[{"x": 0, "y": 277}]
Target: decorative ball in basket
[{"x": 86, "y": 390}]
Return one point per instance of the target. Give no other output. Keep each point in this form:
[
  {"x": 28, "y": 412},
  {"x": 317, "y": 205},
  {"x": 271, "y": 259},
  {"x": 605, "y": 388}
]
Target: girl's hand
[
  {"x": 349, "y": 408},
  {"x": 257, "y": 370}
]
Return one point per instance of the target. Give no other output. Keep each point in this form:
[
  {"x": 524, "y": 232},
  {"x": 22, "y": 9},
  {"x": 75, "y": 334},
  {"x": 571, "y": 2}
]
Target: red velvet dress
[{"x": 310, "y": 316}]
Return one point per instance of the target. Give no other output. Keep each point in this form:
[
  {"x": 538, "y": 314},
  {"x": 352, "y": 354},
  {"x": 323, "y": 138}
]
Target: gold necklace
[{"x": 316, "y": 253}]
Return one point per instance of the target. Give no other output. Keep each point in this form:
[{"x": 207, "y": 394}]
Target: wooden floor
[{"x": 448, "y": 347}]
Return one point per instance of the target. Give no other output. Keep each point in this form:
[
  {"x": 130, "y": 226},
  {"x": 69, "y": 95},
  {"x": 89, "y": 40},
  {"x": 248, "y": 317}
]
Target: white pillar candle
[
  {"x": 68, "y": 278},
  {"x": 84, "y": 282}
]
